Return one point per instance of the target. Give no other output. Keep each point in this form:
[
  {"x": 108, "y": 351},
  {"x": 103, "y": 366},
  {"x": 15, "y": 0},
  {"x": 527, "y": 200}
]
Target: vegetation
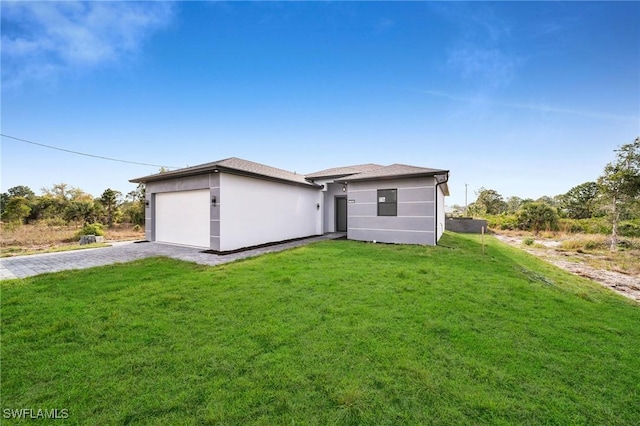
[
  {"x": 620, "y": 185},
  {"x": 62, "y": 204},
  {"x": 91, "y": 229},
  {"x": 597, "y": 247},
  {"x": 610, "y": 205},
  {"x": 42, "y": 238},
  {"x": 339, "y": 332},
  {"x": 537, "y": 217}
]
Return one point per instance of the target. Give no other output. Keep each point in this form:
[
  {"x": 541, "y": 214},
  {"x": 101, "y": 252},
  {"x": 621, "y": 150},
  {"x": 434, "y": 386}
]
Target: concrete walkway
[{"x": 26, "y": 266}]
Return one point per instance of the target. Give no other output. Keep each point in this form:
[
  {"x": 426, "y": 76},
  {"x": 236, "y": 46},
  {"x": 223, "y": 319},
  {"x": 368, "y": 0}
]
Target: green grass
[{"x": 337, "y": 332}]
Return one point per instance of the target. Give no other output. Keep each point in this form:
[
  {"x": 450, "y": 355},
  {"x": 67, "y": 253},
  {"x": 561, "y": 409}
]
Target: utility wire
[{"x": 87, "y": 155}]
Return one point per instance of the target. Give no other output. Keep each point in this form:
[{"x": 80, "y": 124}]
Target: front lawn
[{"x": 338, "y": 332}]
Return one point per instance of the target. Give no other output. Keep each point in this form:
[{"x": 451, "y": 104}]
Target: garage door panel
[{"x": 183, "y": 217}]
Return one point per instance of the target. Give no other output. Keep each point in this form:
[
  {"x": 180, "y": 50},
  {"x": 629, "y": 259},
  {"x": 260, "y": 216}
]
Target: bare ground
[{"x": 626, "y": 284}]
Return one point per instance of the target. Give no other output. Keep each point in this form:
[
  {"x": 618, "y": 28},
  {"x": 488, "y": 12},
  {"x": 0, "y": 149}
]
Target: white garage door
[{"x": 183, "y": 217}]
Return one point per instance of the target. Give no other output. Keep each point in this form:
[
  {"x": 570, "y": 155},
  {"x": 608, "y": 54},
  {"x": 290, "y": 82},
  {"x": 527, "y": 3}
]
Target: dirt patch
[{"x": 626, "y": 284}]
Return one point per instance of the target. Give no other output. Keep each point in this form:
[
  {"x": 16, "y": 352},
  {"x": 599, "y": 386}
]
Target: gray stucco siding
[
  {"x": 392, "y": 223},
  {"x": 415, "y": 220},
  {"x": 391, "y": 184},
  {"x": 179, "y": 184},
  {"x": 416, "y": 208},
  {"x": 390, "y": 236},
  {"x": 214, "y": 228},
  {"x": 422, "y": 193},
  {"x": 361, "y": 209}
]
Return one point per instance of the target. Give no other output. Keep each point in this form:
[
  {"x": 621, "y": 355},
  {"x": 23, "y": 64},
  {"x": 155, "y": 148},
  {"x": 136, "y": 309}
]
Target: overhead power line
[{"x": 85, "y": 154}]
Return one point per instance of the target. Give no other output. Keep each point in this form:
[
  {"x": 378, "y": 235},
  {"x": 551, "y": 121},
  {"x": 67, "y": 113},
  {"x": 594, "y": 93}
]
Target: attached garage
[{"x": 182, "y": 217}]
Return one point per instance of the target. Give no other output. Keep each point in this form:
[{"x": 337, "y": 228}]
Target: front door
[{"x": 341, "y": 214}]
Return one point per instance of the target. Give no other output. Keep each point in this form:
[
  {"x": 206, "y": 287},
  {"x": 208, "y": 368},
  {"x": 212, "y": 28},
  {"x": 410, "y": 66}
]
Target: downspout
[{"x": 435, "y": 219}]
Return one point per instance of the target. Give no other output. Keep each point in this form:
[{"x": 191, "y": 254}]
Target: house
[{"x": 233, "y": 204}]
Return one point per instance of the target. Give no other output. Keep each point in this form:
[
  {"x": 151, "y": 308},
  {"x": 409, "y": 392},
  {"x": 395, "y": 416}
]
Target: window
[{"x": 387, "y": 202}]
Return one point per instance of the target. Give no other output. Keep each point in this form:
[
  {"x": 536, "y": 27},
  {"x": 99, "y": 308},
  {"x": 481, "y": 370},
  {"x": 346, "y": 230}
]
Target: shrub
[
  {"x": 537, "y": 217},
  {"x": 528, "y": 241},
  {"x": 502, "y": 221},
  {"x": 594, "y": 225},
  {"x": 137, "y": 228},
  {"x": 91, "y": 229},
  {"x": 629, "y": 229}
]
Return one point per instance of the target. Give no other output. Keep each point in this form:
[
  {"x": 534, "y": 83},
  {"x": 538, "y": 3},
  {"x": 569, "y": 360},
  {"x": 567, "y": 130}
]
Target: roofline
[
  {"x": 215, "y": 168},
  {"x": 390, "y": 177},
  {"x": 331, "y": 176}
]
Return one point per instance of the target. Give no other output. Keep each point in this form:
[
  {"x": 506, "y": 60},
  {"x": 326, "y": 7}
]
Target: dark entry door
[{"x": 341, "y": 214}]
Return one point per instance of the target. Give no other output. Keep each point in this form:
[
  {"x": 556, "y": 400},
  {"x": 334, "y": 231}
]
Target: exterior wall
[
  {"x": 255, "y": 211},
  {"x": 329, "y": 208},
  {"x": 440, "y": 213},
  {"x": 210, "y": 180},
  {"x": 415, "y": 222}
]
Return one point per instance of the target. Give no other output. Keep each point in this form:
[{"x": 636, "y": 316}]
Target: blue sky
[{"x": 529, "y": 99}]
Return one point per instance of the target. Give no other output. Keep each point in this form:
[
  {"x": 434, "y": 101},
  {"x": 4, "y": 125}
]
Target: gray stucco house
[{"x": 233, "y": 204}]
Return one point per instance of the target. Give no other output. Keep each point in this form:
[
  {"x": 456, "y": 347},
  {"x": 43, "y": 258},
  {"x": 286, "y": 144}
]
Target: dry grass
[
  {"x": 592, "y": 249},
  {"x": 40, "y": 238},
  {"x": 597, "y": 253}
]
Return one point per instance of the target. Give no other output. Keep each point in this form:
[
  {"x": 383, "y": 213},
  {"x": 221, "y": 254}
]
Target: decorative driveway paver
[{"x": 26, "y": 266}]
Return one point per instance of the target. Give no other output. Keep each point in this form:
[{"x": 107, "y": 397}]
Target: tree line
[
  {"x": 62, "y": 204},
  {"x": 614, "y": 196}
]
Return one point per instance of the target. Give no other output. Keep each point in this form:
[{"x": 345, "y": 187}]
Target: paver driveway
[{"x": 26, "y": 266}]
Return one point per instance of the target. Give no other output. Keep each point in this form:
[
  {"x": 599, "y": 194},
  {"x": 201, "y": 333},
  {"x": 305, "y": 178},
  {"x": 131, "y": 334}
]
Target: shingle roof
[
  {"x": 393, "y": 171},
  {"x": 231, "y": 164},
  {"x": 343, "y": 171}
]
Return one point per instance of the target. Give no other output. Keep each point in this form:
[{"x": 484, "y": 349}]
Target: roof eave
[
  {"x": 217, "y": 168},
  {"x": 390, "y": 177},
  {"x": 331, "y": 176}
]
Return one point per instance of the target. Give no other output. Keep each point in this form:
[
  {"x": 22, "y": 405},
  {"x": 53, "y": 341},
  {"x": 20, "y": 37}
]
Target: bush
[
  {"x": 629, "y": 229},
  {"x": 595, "y": 225},
  {"x": 595, "y": 242},
  {"x": 528, "y": 241},
  {"x": 537, "y": 217},
  {"x": 91, "y": 229},
  {"x": 137, "y": 228},
  {"x": 502, "y": 221}
]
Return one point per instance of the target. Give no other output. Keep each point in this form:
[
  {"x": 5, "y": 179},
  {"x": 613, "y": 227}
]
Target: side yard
[{"x": 588, "y": 256}]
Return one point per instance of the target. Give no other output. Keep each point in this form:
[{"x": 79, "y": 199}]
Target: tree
[
  {"x": 58, "y": 191},
  {"x": 4, "y": 199},
  {"x": 80, "y": 211},
  {"x": 537, "y": 216},
  {"x": 21, "y": 191},
  {"x": 513, "y": 204},
  {"x": 109, "y": 199},
  {"x": 550, "y": 201},
  {"x": 16, "y": 210},
  {"x": 620, "y": 185},
  {"x": 580, "y": 202},
  {"x": 488, "y": 201}
]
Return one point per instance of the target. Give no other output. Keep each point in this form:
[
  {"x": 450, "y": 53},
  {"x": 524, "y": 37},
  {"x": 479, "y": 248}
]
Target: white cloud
[
  {"x": 41, "y": 40},
  {"x": 531, "y": 106},
  {"x": 488, "y": 67}
]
